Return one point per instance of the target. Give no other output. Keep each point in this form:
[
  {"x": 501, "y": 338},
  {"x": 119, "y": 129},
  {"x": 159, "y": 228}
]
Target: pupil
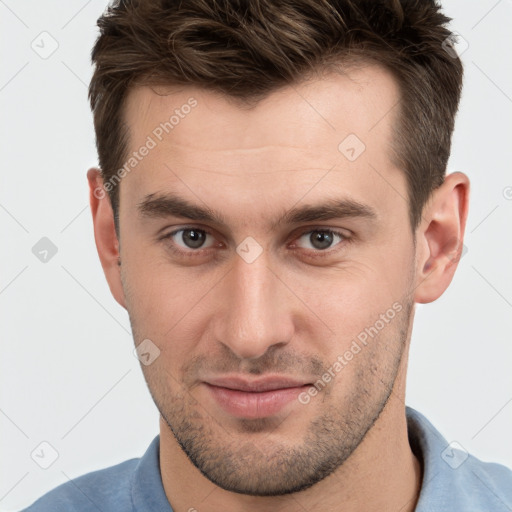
[
  {"x": 321, "y": 239},
  {"x": 193, "y": 238}
]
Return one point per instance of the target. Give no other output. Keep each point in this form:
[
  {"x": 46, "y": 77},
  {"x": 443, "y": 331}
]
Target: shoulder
[
  {"x": 484, "y": 485},
  {"x": 453, "y": 479},
  {"x": 105, "y": 489}
]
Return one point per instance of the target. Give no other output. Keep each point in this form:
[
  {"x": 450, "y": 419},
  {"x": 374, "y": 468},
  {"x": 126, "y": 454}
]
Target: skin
[{"x": 295, "y": 308}]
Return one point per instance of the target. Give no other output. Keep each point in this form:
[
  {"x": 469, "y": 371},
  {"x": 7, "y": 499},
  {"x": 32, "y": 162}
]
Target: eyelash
[{"x": 313, "y": 253}]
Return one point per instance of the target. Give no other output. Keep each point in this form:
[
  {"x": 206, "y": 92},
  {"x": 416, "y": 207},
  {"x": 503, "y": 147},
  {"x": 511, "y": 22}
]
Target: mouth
[{"x": 256, "y": 398}]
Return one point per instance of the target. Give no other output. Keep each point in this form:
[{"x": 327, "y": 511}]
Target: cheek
[
  {"x": 168, "y": 305},
  {"x": 350, "y": 299}
]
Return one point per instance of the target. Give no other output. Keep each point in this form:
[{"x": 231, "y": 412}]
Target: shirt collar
[{"x": 147, "y": 487}]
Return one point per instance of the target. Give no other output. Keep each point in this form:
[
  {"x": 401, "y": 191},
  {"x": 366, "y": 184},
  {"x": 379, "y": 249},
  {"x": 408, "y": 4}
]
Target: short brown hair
[{"x": 246, "y": 49}]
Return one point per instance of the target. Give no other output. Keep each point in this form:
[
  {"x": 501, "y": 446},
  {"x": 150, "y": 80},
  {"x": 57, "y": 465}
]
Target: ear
[
  {"x": 107, "y": 243},
  {"x": 440, "y": 237}
]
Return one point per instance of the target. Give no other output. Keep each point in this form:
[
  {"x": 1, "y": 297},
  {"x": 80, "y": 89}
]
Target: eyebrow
[{"x": 159, "y": 205}]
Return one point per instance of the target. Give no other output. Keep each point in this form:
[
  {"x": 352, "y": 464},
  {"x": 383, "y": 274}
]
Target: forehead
[
  {"x": 198, "y": 139},
  {"x": 354, "y": 100}
]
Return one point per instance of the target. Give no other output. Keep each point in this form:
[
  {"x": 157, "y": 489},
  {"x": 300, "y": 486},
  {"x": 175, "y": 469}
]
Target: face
[{"x": 266, "y": 253}]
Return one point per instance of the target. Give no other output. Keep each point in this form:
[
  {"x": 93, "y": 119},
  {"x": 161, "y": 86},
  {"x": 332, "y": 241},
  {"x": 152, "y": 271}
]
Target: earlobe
[
  {"x": 440, "y": 238},
  {"x": 105, "y": 235}
]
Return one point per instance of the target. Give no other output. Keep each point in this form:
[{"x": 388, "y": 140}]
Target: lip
[
  {"x": 257, "y": 398},
  {"x": 269, "y": 383}
]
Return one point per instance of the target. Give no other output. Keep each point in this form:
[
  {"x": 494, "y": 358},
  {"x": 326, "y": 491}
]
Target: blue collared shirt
[{"x": 453, "y": 481}]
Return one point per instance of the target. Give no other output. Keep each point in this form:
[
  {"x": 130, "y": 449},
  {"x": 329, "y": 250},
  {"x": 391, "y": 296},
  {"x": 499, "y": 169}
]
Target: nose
[{"x": 256, "y": 309}]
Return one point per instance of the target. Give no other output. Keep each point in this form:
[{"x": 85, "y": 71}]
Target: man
[{"x": 271, "y": 203}]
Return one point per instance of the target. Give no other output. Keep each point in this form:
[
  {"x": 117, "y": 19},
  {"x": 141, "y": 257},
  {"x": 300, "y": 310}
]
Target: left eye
[
  {"x": 321, "y": 239},
  {"x": 190, "y": 238}
]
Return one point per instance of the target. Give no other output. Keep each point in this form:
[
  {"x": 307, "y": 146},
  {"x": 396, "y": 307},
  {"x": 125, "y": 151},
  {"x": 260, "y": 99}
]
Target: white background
[{"x": 68, "y": 375}]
